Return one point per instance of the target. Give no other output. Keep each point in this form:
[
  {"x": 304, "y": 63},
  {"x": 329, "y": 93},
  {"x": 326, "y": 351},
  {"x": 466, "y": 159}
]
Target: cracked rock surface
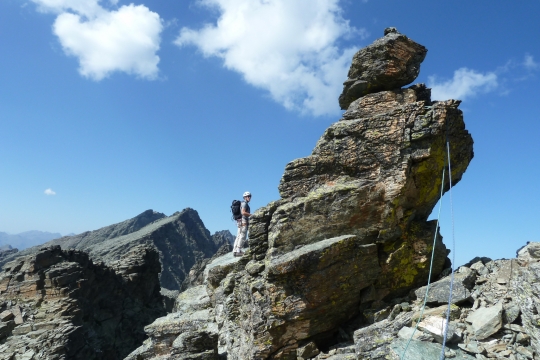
[{"x": 58, "y": 304}]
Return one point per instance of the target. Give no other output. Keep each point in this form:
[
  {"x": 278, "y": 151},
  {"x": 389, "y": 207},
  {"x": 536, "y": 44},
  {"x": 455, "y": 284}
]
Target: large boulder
[
  {"x": 309, "y": 290},
  {"x": 374, "y": 176},
  {"x": 389, "y": 63},
  {"x": 486, "y": 321}
]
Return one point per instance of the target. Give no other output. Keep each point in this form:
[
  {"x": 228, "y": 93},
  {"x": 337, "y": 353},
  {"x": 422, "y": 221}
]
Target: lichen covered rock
[{"x": 373, "y": 177}]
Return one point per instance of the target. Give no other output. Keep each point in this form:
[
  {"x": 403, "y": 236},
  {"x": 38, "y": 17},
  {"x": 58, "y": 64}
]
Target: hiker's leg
[
  {"x": 243, "y": 235},
  {"x": 236, "y": 247}
]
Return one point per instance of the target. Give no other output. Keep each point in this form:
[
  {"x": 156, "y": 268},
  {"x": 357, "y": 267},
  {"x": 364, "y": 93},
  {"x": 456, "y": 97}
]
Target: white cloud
[
  {"x": 106, "y": 41},
  {"x": 124, "y": 40},
  {"x": 49, "y": 191},
  {"x": 87, "y": 8},
  {"x": 465, "y": 83},
  {"x": 286, "y": 47},
  {"x": 529, "y": 62}
]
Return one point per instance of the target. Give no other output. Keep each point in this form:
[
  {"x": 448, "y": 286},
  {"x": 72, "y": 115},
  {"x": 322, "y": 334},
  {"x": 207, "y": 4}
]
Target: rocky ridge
[
  {"x": 491, "y": 319},
  {"x": 89, "y": 238},
  {"x": 180, "y": 239},
  {"x": 59, "y": 304},
  {"x": 337, "y": 267},
  {"x": 349, "y": 234}
]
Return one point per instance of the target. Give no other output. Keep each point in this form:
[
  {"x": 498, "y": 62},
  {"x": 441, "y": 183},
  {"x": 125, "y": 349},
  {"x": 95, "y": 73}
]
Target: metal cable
[
  {"x": 453, "y": 254},
  {"x": 430, "y": 268}
]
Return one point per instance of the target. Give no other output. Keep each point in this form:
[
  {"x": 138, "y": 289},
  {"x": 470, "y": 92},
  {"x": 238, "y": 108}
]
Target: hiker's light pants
[{"x": 240, "y": 235}]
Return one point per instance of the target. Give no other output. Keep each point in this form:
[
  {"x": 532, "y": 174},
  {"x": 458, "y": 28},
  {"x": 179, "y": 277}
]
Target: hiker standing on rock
[{"x": 242, "y": 223}]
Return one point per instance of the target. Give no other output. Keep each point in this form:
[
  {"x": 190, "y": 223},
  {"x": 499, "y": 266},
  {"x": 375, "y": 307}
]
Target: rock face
[
  {"x": 59, "y": 304},
  {"x": 388, "y": 64},
  {"x": 440, "y": 291},
  {"x": 350, "y": 232},
  {"x": 90, "y": 238},
  {"x": 499, "y": 319},
  {"x": 180, "y": 239}
]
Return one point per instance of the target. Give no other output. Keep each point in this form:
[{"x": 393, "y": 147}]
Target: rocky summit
[{"x": 349, "y": 234}]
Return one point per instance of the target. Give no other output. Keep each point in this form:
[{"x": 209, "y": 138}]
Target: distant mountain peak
[{"x": 27, "y": 239}]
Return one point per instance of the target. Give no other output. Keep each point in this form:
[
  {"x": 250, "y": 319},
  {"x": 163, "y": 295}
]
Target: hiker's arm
[{"x": 245, "y": 213}]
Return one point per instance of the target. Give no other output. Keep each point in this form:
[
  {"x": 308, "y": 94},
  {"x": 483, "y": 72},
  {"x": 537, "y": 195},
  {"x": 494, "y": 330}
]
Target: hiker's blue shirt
[{"x": 245, "y": 207}]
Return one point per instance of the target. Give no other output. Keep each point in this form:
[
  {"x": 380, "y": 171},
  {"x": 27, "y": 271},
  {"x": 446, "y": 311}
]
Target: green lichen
[
  {"x": 404, "y": 269},
  {"x": 426, "y": 175}
]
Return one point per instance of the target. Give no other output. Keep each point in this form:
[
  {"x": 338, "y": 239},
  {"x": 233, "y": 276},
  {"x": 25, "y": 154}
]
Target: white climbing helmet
[{"x": 247, "y": 193}]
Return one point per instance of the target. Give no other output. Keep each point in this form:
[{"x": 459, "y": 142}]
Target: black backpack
[{"x": 235, "y": 209}]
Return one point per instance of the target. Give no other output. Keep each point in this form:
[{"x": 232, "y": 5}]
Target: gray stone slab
[
  {"x": 486, "y": 321},
  {"x": 193, "y": 299},
  {"x": 407, "y": 332},
  {"x": 225, "y": 260},
  {"x": 304, "y": 250},
  {"x": 439, "y": 291}
]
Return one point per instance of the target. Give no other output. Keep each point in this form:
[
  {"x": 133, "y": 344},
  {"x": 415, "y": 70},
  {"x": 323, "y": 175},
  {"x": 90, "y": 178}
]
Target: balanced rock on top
[
  {"x": 389, "y": 63},
  {"x": 350, "y": 231}
]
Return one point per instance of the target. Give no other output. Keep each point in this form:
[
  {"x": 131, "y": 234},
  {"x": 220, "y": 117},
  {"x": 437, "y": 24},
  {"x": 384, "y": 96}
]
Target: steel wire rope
[
  {"x": 445, "y": 326},
  {"x": 430, "y": 267}
]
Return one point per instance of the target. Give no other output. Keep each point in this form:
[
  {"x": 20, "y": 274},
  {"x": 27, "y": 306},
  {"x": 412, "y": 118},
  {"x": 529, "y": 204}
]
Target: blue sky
[{"x": 109, "y": 108}]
